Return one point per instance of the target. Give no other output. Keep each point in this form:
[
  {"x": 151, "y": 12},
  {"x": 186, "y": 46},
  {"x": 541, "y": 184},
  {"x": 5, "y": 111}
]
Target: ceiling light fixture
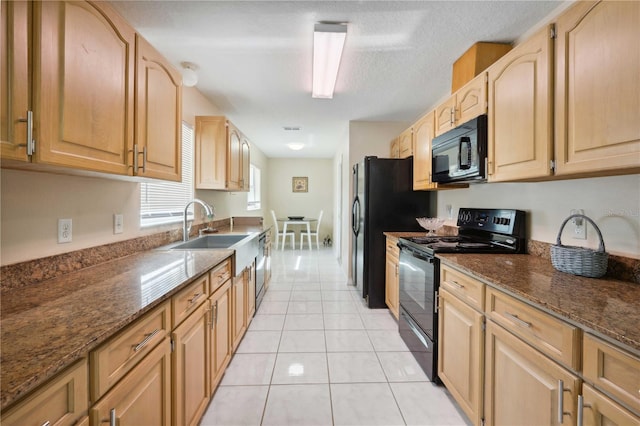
[
  {"x": 328, "y": 43},
  {"x": 295, "y": 146},
  {"x": 189, "y": 76}
]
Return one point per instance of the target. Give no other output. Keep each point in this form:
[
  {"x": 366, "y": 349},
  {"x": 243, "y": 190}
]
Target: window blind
[{"x": 163, "y": 202}]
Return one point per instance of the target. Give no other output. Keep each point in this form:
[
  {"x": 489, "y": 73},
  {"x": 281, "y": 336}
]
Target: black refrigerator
[{"x": 383, "y": 200}]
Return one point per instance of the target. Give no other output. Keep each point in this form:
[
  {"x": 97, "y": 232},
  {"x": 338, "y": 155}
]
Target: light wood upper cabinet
[
  {"x": 62, "y": 401},
  {"x": 15, "y": 48},
  {"x": 83, "y": 86},
  {"x": 423, "y": 133},
  {"x": 405, "y": 143},
  {"x": 394, "y": 149},
  {"x": 597, "y": 93},
  {"x": 520, "y": 105},
  {"x": 158, "y": 115},
  {"x": 222, "y": 155},
  {"x": 465, "y": 104}
]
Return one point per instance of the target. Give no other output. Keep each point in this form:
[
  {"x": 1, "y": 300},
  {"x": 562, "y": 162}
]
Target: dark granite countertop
[
  {"x": 608, "y": 307},
  {"x": 47, "y": 326}
]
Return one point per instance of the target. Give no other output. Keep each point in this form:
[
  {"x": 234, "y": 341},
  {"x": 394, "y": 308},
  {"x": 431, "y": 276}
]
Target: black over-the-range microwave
[{"x": 460, "y": 155}]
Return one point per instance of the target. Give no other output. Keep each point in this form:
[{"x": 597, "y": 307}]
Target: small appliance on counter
[{"x": 479, "y": 231}]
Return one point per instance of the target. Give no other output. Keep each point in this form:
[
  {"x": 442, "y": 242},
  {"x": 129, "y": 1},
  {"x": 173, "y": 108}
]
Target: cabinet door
[
  {"x": 422, "y": 137},
  {"x": 142, "y": 397},
  {"x": 250, "y": 283},
  {"x": 598, "y": 89},
  {"x": 211, "y": 152},
  {"x": 15, "y": 47},
  {"x": 391, "y": 278},
  {"x": 445, "y": 116},
  {"x": 220, "y": 338},
  {"x": 394, "y": 149},
  {"x": 61, "y": 401},
  {"x": 520, "y": 125},
  {"x": 405, "y": 143},
  {"x": 83, "y": 86},
  {"x": 190, "y": 367},
  {"x": 522, "y": 385},
  {"x": 158, "y": 107},
  {"x": 238, "y": 324},
  {"x": 599, "y": 410},
  {"x": 471, "y": 99},
  {"x": 234, "y": 157},
  {"x": 246, "y": 163},
  {"x": 461, "y": 353}
]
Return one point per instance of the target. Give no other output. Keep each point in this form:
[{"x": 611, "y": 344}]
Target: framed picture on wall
[{"x": 300, "y": 184}]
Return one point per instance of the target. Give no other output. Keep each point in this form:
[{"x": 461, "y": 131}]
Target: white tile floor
[{"x": 314, "y": 354}]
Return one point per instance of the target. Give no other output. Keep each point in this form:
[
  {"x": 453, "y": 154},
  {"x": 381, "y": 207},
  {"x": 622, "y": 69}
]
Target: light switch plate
[{"x": 118, "y": 223}]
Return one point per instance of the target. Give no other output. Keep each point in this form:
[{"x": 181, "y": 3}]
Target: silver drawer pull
[
  {"x": 47, "y": 423},
  {"x": 455, "y": 284},
  {"x": 146, "y": 340},
  {"x": 517, "y": 320},
  {"x": 194, "y": 298}
]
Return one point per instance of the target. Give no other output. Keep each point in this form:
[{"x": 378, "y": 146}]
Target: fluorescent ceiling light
[
  {"x": 295, "y": 146},
  {"x": 328, "y": 43}
]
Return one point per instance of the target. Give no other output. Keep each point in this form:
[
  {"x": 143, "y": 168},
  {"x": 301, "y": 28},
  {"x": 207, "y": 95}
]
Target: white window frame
[
  {"x": 255, "y": 185},
  {"x": 162, "y": 202}
]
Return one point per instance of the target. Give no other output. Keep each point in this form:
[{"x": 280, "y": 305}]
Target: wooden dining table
[{"x": 296, "y": 221}]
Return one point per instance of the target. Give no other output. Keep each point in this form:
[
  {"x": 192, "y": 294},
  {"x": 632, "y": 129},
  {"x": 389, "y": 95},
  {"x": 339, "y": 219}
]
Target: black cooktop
[{"x": 479, "y": 231}]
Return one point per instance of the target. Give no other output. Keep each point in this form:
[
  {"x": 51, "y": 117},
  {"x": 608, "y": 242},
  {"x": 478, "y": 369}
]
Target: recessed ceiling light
[{"x": 295, "y": 146}]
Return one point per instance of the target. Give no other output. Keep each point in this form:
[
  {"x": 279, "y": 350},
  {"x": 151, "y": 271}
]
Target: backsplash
[{"x": 34, "y": 271}]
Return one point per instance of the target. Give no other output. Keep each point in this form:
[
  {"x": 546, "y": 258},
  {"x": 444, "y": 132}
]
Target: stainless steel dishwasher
[{"x": 260, "y": 269}]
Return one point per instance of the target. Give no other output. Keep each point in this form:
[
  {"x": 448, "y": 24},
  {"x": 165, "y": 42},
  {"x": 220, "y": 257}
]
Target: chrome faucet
[{"x": 186, "y": 227}]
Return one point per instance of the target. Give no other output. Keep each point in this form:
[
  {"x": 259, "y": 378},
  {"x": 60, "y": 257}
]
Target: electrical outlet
[
  {"x": 118, "y": 223},
  {"x": 65, "y": 229},
  {"x": 449, "y": 208},
  {"x": 579, "y": 225}
]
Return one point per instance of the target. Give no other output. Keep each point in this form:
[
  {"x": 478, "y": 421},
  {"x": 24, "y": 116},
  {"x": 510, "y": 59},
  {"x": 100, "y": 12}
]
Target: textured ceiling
[{"x": 254, "y": 58}]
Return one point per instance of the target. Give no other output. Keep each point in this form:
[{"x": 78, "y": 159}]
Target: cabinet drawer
[
  {"x": 61, "y": 401},
  {"x": 219, "y": 275},
  {"x": 600, "y": 410},
  {"x": 612, "y": 370},
  {"x": 469, "y": 290},
  {"x": 113, "y": 360},
  {"x": 551, "y": 336},
  {"x": 189, "y": 299}
]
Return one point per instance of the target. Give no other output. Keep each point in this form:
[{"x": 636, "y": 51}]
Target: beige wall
[
  {"x": 285, "y": 202},
  {"x": 612, "y": 202},
  {"x": 33, "y": 202}
]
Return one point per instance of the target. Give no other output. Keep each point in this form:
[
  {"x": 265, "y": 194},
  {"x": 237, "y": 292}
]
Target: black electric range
[{"x": 479, "y": 231}]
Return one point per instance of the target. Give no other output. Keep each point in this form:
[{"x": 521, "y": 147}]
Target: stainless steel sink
[{"x": 244, "y": 245}]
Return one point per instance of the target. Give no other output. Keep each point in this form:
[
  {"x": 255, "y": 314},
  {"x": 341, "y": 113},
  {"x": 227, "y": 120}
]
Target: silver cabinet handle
[
  {"x": 456, "y": 284},
  {"x": 581, "y": 406},
  {"x": 146, "y": 340},
  {"x": 47, "y": 423},
  {"x": 144, "y": 159},
  {"x": 29, "y": 145},
  {"x": 112, "y": 417},
  {"x": 436, "y": 299},
  {"x": 135, "y": 158},
  {"x": 561, "y": 391},
  {"x": 517, "y": 320},
  {"x": 194, "y": 298}
]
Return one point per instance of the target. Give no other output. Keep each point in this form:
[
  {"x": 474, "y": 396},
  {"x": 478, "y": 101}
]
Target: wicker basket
[{"x": 579, "y": 260}]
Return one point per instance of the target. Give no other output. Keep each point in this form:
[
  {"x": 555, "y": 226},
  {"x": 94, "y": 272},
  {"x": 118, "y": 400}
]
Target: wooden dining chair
[
  {"x": 280, "y": 234},
  {"x": 312, "y": 234}
]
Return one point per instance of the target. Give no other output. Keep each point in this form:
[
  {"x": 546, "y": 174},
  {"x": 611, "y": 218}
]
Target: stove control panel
[{"x": 502, "y": 221}]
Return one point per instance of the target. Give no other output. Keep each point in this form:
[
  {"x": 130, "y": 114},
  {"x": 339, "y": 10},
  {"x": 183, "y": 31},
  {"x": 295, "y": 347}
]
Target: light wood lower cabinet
[
  {"x": 461, "y": 353},
  {"x": 219, "y": 336},
  {"x": 190, "y": 366},
  {"x": 598, "y": 410},
  {"x": 143, "y": 396},
  {"x": 392, "y": 279},
  {"x": 238, "y": 319},
  {"x": 62, "y": 401},
  {"x": 522, "y": 385}
]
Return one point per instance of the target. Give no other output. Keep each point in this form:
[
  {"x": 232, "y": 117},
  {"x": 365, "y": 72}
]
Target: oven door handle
[{"x": 409, "y": 321}]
